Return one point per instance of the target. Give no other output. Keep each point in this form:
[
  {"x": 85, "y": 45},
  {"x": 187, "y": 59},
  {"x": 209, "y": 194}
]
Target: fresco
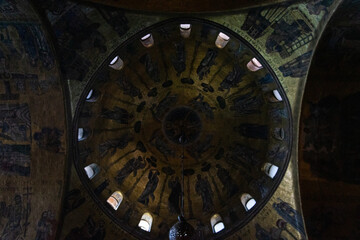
[
  {"x": 159, "y": 122},
  {"x": 32, "y": 126},
  {"x": 89, "y": 230},
  {"x": 15, "y": 122},
  {"x": 290, "y": 215},
  {"x": 17, "y": 214},
  {"x": 15, "y": 159},
  {"x": 150, "y": 87},
  {"x": 297, "y": 67},
  {"x": 49, "y": 139},
  {"x": 46, "y": 226}
]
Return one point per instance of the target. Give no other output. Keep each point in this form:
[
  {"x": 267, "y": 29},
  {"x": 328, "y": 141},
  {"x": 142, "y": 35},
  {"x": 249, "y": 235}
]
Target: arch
[
  {"x": 83, "y": 134},
  {"x": 145, "y": 222},
  {"x": 92, "y": 95},
  {"x": 147, "y": 40},
  {"x": 270, "y": 169},
  {"x": 247, "y": 201},
  {"x": 185, "y": 30},
  {"x": 254, "y": 65},
  {"x": 275, "y": 96},
  {"x": 115, "y": 200},
  {"x": 222, "y": 40},
  {"x": 217, "y": 223},
  {"x": 92, "y": 170},
  {"x": 116, "y": 63}
]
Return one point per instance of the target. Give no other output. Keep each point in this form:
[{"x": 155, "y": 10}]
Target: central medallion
[{"x": 182, "y": 125}]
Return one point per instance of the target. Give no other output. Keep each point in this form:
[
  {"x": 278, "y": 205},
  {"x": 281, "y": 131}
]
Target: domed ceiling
[{"x": 182, "y": 96}]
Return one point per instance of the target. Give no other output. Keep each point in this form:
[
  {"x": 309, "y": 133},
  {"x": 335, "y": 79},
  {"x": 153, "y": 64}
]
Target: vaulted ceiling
[{"x": 180, "y": 98}]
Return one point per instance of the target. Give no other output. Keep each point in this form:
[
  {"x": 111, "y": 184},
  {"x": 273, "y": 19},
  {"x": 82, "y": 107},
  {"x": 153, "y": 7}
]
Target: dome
[{"x": 183, "y": 88}]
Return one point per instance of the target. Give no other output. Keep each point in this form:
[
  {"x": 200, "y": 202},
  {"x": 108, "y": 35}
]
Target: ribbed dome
[{"x": 210, "y": 83}]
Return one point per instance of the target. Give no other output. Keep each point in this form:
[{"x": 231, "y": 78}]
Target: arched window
[
  {"x": 83, "y": 133},
  {"x": 117, "y": 63},
  {"x": 270, "y": 169},
  {"x": 146, "y": 222},
  {"x": 217, "y": 223},
  {"x": 147, "y": 40},
  {"x": 254, "y": 65},
  {"x": 115, "y": 199},
  {"x": 185, "y": 30},
  {"x": 247, "y": 201},
  {"x": 221, "y": 40},
  {"x": 275, "y": 96},
  {"x": 92, "y": 96},
  {"x": 92, "y": 170}
]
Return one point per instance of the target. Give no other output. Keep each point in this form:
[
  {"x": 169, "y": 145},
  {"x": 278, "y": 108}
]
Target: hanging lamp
[{"x": 182, "y": 230}]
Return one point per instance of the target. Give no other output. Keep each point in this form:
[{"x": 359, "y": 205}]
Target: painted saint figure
[
  {"x": 161, "y": 144},
  {"x": 225, "y": 178},
  {"x": 246, "y": 104},
  {"x": 44, "y": 227},
  {"x": 151, "y": 67},
  {"x": 209, "y": 60},
  {"x": 232, "y": 79},
  {"x": 179, "y": 60},
  {"x": 128, "y": 88},
  {"x": 15, "y": 214},
  {"x": 150, "y": 187},
  {"x": 114, "y": 144},
  {"x": 131, "y": 166},
  {"x": 203, "y": 189},
  {"x": 244, "y": 155},
  {"x": 290, "y": 215},
  {"x": 175, "y": 195}
]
